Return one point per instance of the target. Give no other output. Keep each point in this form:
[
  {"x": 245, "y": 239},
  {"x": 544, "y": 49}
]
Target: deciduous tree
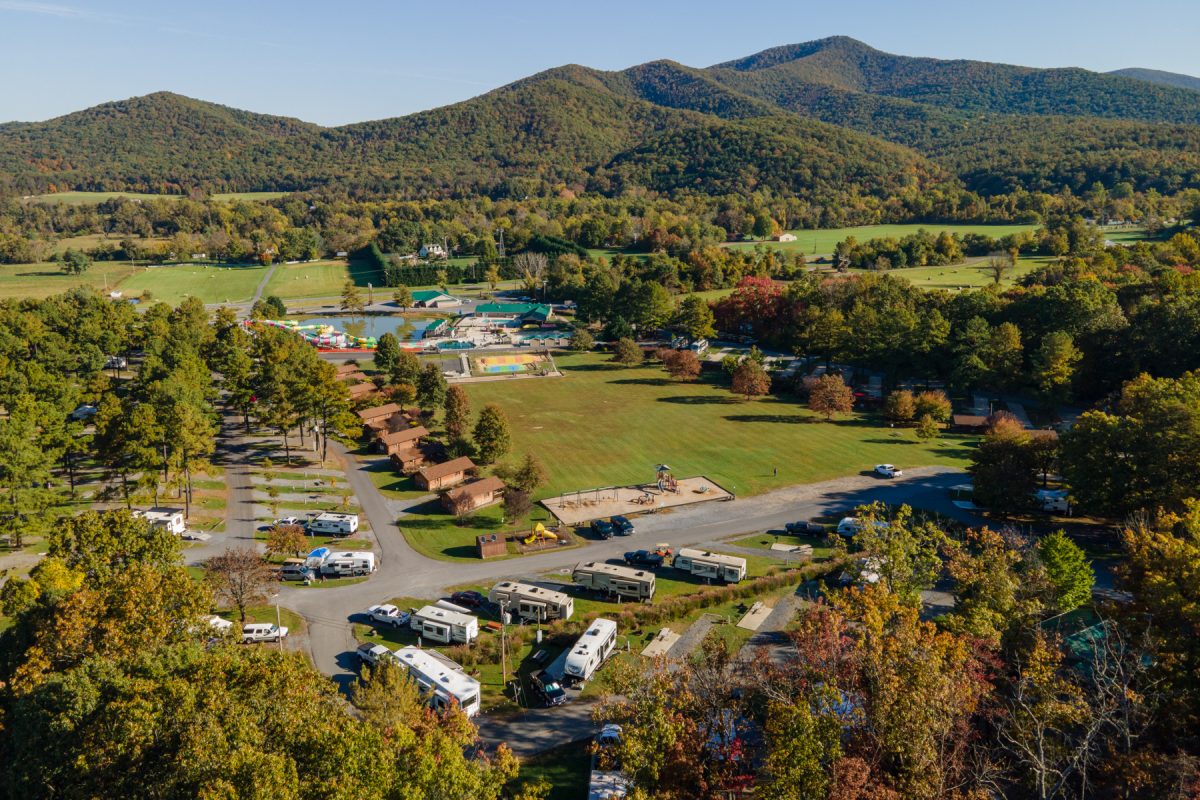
[
  {"x": 491, "y": 435},
  {"x": 239, "y": 577},
  {"x": 829, "y": 396}
]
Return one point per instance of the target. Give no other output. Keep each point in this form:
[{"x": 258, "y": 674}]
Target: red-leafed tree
[{"x": 753, "y": 308}]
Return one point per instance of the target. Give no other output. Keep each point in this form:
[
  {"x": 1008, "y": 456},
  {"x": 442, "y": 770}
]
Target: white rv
[
  {"x": 532, "y": 602},
  {"x": 332, "y": 524},
  {"x": 589, "y": 652},
  {"x": 615, "y": 579},
  {"x": 170, "y": 519},
  {"x": 440, "y": 679},
  {"x": 704, "y": 564},
  {"x": 445, "y": 625},
  {"x": 1054, "y": 501},
  {"x": 348, "y": 564}
]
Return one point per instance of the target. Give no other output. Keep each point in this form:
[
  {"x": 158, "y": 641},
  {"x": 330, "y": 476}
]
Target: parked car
[
  {"x": 804, "y": 527},
  {"x": 622, "y": 525},
  {"x": 849, "y": 526},
  {"x": 610, "y": 734},
  {"x": 643, "y": 558},
  {"x": 279, "y": 523},
  {"x": 550, "y": 690},
  {"x": 469, "y": 599},
  {"x": 372, "y": 654},
  {"x": 262, "y": 632},
  {"x": 294, "y": 569},
  {"x": 602, "y": 528},
  {"x": 888, "y": 470},
  {"x": 83, "y": 411},
  {"x": 388, "y": 614}
]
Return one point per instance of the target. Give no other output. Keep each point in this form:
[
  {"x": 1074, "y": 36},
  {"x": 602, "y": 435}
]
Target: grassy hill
[{"x": 827, "y": 120}]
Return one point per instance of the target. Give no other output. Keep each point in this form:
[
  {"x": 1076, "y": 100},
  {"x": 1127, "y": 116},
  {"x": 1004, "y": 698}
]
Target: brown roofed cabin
[
  {"x": 347, "y": 368},
  {"x": 473, "y": 495},
  {"x": 361, "y": 391},
  {"x": 378, "y": 412},
  {"x": 361, "y": 377},
  {"x": 969, "y": 422},
  {"x": 443, "y": 476},
  {"x": 400, "y": 440}
]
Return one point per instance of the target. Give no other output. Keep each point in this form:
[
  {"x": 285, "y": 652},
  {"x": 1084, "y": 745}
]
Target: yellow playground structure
[{"x": 539, "y": 534}]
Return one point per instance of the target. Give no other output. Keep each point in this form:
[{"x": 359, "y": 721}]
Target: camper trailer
[
  {"x": 331, "y": 524},
  {"x": 589, "y": 652},
  {"x": 445, "y": 625},
  {"x": 170, "y": 519},
  {"x": 442, "y": 681},
  {"x": 347, "y": 564},
  {"x": 614, "y": 579},
  {"x": 704, "y": 564},
  {"x": 532, "y": 602}
]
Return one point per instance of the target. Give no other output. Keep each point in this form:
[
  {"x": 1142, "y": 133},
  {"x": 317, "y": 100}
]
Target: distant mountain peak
[{"x": 1160, "y": 77}]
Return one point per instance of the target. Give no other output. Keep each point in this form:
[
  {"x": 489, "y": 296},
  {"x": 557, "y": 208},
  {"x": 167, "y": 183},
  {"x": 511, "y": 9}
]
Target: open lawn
[
  {"x": 607, "y": 425},
  {"x": 95, "y": 198},
  {"x": 212, "y": 284},
  {"x": 323, "y": 279},
  {"x": 822, "y": 241},
  {"x": 43, "y": 280},
  {"x": 970, "y": 275}
]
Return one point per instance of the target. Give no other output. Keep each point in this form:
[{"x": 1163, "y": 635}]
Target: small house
[
  {"x": 356, "y": 377},
  {"x": 473, "y": 495},
  {"x": 786, "y": 237},
  {"x": 443, "y": 476},
  {"x": 368, "y": 414},
  {"x": 361, "y": 391},
  {"x": 974, "y": 423},
  {"x": 346, "y": 368},
  {"x": 432, "y": 251},
  {"x": 431, "y": 298},
  {"x": 403, "y": 439}
]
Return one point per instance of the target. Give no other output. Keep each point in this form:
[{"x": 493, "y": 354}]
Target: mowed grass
[
  {"x": 323, "y": 279},
  {"x": 606, "y": 425},
  {"x": 37, "y": 281},
  {"x": 95, "y": 198},
  {"x": 971, "y": 275},
  {"x": 212, "y": 284},
  {"x": 822, "y": 241}
]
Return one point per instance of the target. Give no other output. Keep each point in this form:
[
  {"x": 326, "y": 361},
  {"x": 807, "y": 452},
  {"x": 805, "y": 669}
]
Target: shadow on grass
[
  {"x": 790, "y": 419},
  {"x": 604, "y": 367},
  {"x": 643, "y": 382},
  {"x": 897, "y": 440},
  {"x": 700, "y": 400},
  {"x": 431, "y": 515}
]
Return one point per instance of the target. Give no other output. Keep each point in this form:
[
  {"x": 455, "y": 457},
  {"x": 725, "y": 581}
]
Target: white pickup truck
[{"x": 262, "y": 632}]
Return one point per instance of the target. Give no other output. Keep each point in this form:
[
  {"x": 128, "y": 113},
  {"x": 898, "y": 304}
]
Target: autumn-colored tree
[
  {"x": 626, "y": 351},
  {"x": 239, "y": 577},
  {"x": 900, "y": 406},
  {"x": 286, "y": 539},
  {"x": 928, "y": 428},
  {"x": 750, "y": 379},
  {"x": 458, "y": 413},
  {"x": 829, "y": 396},
  {"x": 1004, "y": 468},
  {"x": 932, "y": 403},
  {"x": 682, "y": 365}
]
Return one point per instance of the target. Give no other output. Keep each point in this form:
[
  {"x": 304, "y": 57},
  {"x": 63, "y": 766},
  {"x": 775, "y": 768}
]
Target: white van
[
  {"x": 348, "y": 564},
  {"x": 332, "y": 524}
]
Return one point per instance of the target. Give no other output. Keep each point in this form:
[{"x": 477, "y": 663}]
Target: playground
[{"x": 577, "y": 508}]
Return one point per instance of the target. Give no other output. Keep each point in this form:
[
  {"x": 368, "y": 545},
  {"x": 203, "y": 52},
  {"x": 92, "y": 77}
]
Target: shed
[
  {"x": 473, "y": 495},
  {"x": 490, "y": 545},
  {"x": 443, "y": 476}
]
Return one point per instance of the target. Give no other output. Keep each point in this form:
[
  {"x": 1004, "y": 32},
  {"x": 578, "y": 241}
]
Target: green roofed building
[
  {"x": 525, "y": 312},
  {"x": 431, "y": 298}
]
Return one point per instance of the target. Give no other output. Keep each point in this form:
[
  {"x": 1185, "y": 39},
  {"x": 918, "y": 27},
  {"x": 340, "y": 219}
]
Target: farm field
[
  {"x": 94, "y": 198},
  {"x": 43, "y": 280},
  {"x": 606, "y": 425},
  {"x": 212, "y": 284},
  {"x": 969, "y": 275},
  {"x": 321, "y": 279},
  {"x": 822, "y": 241}
]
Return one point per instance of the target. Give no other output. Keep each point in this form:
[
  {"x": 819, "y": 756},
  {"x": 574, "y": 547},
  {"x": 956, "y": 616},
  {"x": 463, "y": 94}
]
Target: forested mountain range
[
  {"x": 831, "y": 119},
  {"x": 1160, "y": 77}
]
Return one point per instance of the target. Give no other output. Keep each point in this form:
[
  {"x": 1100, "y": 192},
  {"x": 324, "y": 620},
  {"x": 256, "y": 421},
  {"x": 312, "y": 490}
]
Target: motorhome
[
  {"x": 445, "y": 625},
  {"x": 532, "y": 602},
  {"x": 170, "y": 519},
  {"x": 614, "y": 579},
  {"x": 441, "y": 680},
  {"x": 590, "y": 651},
  {"x": 704, "y": 564},
  {"x": 332, "y": 524},
  {"x": 346, "y": 564},
  {"x": 1054, "y": 501}
]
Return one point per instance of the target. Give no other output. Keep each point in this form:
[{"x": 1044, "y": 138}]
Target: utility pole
[
  {"x": 504, "y": 643},
  {"x": 502, "y": 242}
]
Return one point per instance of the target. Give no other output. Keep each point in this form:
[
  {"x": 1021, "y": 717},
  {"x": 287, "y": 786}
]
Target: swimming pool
[{"x": 404, "y": 329}]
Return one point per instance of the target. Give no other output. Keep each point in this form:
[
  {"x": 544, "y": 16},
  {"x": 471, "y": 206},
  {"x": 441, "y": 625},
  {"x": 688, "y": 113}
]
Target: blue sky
[{"x": 347, "y": 61}]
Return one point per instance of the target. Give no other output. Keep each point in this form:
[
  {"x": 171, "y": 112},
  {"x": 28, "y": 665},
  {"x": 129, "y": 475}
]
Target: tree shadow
[
  {"x": 699, "y": 399},
  {"x": 644, "y": 382},
  {"x": 790, "y": 419},
  {"x": 605, "y": 367},
  {"x": 462, "y": 551},
  {"x": 889, "y": 441}
]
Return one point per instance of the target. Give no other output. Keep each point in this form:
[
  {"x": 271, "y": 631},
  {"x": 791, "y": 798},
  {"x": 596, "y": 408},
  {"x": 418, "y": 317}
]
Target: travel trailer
[
  {"x": 614, "y": 579},
  {"x": 444, "y": 625},
  {"x": 441, "y": 680},
  {"x": 532, "y": 602},
  {"x": 590, "y": 651},
  {"x": 704, "y": 564},
  {"x": 169, "y": 518},
  {"x": 332, "y": 524},
  {"x": 344, "y": 564}
]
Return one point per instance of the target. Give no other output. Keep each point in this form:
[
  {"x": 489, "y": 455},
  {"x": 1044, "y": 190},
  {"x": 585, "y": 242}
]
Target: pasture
[
  {"x": 822, "y": 241},
  {"x": 212, "y": 284},
  {"x": 37, "y": 281},
  {"x": 322, "y": 279}
]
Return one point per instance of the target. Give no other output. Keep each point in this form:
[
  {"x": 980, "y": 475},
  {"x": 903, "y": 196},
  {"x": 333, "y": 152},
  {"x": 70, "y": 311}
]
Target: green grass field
[
  {"x": 606, "y": 425},
  {"x": 212, "y": 284},
  {"x": 43, "y": 280},
  {"x": 95, "y": 198},
  {"x": 822, "y": 241},
  {"x": 958, "y": 276},
  {"x": 322, "y": 279}
]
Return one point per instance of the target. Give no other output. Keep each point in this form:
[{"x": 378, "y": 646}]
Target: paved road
[{"x": 404, "y": 572}]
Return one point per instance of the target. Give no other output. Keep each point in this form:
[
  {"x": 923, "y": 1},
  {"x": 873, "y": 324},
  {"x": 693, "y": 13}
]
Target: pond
[{"x": 406, "y": 329}]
